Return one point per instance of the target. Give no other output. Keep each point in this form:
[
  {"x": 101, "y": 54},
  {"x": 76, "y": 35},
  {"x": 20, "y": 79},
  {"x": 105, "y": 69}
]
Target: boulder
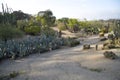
[
  {"x": 110, "y": 55},
  {"x": 86, "y": 46}
]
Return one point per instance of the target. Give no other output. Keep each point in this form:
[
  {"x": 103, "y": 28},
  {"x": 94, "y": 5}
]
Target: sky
[{"x": 80, "y": 9}]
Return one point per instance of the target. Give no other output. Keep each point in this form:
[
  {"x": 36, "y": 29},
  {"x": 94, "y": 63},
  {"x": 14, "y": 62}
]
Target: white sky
[{"x": 89, "y": 9}]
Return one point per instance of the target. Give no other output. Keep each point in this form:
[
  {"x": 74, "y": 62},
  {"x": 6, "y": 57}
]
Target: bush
[
  {"x": 61, "y": 26},
  {"x": 110, "y": 55},
  {"x": 109, "y": 44},
  {"x": 72, "y": 42},
  {"x": 101, "y": 34},
  {"x": 9, "y": 32},
  {"x": 33, "y": 30},
  {"x": 48, "y": 31}
]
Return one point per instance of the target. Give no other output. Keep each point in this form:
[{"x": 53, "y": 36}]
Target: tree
[
  {"x": 46, "y": 18},
  {"x": 19, "y": 15}
]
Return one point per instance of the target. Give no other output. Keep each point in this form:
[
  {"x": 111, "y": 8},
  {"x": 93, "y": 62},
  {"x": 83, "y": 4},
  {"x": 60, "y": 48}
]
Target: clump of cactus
[
  {"x": 21, "y": 48},
  {"x": 38, "y": 44}
]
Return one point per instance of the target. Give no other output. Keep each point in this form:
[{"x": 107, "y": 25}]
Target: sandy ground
[{"x": 65, "y": 64}]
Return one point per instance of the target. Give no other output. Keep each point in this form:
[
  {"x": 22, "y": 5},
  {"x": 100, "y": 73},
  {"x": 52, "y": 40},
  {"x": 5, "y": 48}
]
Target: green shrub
[
  {"x": 72, "y": 42},
  {"x": 61, "y": 26},
  {"x": 9, "y": 32},
  {"x": 101, "y": 34},
  {"x": 48, "y": 31},
  {"x": 33, "y": 30},
  {"x": 109, "y": 44}
]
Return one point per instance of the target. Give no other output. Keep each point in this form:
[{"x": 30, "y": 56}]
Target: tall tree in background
[
  {"x": 46, "y": 18},
  {"x": 19, "y": 15}
]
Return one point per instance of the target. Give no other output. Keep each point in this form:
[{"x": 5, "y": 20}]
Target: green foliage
[
  {"x": 19, "y": 15},
  {"x": 9, "y": 32},
  {"x": 101, "y": 34},
  {"x": 48, "y": 31},
  {"x": 46, "y": 18},
  {"x": 91, "y": 26},
  {"x": 116, "y": 29},
  {"x": 33, "y": 30},
  {"x": 71, "y": 42},
  {"x": 109, "y": 44},
  {"x": 21, "y": 24},
  {"x": 70, "y": 24},
  {"x": 73, "y": 25},
  {"x": 62, "y": 27}
]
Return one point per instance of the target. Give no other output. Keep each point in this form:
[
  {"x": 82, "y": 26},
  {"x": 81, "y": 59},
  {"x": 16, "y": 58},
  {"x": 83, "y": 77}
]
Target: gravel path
[{"x": 65, "y": 64}]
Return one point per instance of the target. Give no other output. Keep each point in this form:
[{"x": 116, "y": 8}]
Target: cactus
[{"x": 15, "y": 48}]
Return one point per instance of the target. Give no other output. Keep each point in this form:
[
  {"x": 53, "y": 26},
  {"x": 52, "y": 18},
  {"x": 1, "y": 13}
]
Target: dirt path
[{"x": 65, "y": 64}]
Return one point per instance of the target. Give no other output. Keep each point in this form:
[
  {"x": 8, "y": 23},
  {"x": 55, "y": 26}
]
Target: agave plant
[{"x": 21, "y": 48}]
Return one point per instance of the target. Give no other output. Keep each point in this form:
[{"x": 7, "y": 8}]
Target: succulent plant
[{"x": 39, "y": 44}]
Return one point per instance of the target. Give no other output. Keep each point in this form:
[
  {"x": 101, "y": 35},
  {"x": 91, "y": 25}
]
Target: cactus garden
[
  {"x": 40, "y": 44},
  {"x": 59, "y": 40}
]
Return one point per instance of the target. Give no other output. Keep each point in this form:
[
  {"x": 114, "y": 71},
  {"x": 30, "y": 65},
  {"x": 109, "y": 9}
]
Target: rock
[
  {"x": 103, "y": 39},
  {"x": 110, "y": 55},
  {"x": 86, "y": 46}
]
